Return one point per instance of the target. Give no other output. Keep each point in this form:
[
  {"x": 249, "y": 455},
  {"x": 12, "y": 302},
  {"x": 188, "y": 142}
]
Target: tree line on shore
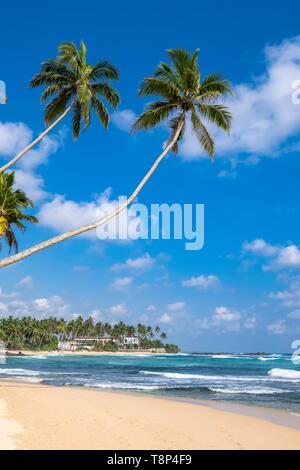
[{"x": 30, "y": 333}]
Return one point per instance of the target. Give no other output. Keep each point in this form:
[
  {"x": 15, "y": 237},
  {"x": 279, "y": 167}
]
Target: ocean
[{"x": 272, "y": 380}]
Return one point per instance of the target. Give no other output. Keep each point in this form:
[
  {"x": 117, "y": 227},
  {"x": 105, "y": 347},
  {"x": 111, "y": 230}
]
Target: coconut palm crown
[
  {"x": 70, "y": 79},
  {"x": 183, "y": 96},
  {"x": 12, "y": 203}
]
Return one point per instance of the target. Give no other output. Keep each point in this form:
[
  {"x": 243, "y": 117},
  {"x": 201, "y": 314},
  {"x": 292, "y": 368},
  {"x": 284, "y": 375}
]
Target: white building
[{"x": 131, "y": 341}]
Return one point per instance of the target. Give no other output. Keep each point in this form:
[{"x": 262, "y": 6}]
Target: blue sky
[{"x": 242, "y": 291}]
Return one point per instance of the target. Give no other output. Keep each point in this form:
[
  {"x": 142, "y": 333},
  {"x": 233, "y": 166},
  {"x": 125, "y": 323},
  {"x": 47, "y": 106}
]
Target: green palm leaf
[
  {"x": 71, "y": 81},
  {"x": 184, "y": 96}
]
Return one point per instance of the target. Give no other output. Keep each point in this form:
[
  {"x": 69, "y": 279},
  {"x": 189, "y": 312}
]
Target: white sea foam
[
  {"x": 16, "y": 372},
  {"x": 223, "y": 378},
  {"x": 248, "y": 390},
  {"x": 223, "y": 356},
  {"x": 268, "y": 358},
  {"x": 35, "y": 356},
  {"x": 121, "y": 385},
  {"x": 285, "y": 374}
]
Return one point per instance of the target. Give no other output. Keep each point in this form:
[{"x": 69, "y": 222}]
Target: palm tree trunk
[
  {"x": 86, "y": 228},
  {"x": 34, "y": 142}
]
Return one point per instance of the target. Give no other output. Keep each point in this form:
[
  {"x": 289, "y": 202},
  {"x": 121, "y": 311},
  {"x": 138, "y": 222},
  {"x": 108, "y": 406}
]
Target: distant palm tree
[
  {"x": 184, "y": 96},
  {"x": 12, "y": 204},
  {"x": 163, "y": 336},
  {"x": 73, "y": 84}
]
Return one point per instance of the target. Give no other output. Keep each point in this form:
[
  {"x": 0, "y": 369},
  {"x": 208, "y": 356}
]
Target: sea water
[{"x": 272, "y": 380}]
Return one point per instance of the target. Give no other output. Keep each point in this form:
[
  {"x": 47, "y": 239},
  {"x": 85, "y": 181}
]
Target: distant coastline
[{"x": 129, "y": 352}]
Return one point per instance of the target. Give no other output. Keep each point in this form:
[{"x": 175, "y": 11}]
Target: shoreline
[
  {"x": 85, "y": 418},
  {"x": 22, "y": 353}
]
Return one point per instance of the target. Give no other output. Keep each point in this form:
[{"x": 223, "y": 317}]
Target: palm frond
[
  {"x": 202, "y": 134},
  {"x": 11, "y": 240},
  {"x": 165, "y": 72},
  {"x": 217, "y": 114},
  {"x": 101, "y": 111},
  {"x": 160, "y": 87},
  {"x": 76, "y": 119},
  {"x": 108, "y": 92},
  {"x": 174, "y": 123},
  {"x": 104, "y": 70},
  {"x": 56, "y": 106},
  {"x": 156, "y": 113},
  {"x": 216, "y": 85}
]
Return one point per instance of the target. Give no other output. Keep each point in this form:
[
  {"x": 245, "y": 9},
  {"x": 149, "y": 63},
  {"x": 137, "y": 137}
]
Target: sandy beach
[{"x": 34, "y": 416}]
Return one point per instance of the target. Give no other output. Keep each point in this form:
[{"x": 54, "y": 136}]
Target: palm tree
[
  {"x": 12, "y": 203},
  {"x": 73, "y": 84},
  {"x": 163, "y": 336},
  {"x": 183, "y": 97}
]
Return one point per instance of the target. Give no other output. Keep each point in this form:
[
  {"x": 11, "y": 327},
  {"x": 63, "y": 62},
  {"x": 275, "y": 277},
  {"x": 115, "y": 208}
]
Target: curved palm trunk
[
  {"x": 86, "y": 228},
  {"x": 34, "y": 142}
]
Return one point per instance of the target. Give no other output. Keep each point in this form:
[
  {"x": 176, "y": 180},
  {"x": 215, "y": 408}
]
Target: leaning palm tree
[
  {"x": 74, "y": 85},
  {"x": 183, "y": 97},
  {"x": 12, "y": 203}
]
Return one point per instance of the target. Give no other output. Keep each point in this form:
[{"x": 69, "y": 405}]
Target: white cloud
[
  {"x": 143, "y": 262},
  {"x": 289, "y": 297},
  {"x": 277, "y": 328},
  {"x": 151, "y": 308},
  {"x": 122, "y": 283},
  {"x": 118, "y": 309},
  {"x": 165, "y": 318},
  {"x": 61, "y": 214},
  {"x": 123, "y": 119},
  {"x": 250, "y": 323},
  {"x": 295, "y": 315},
  {"x": 288, "y": 257},
  {"x": 260, "y": 247},
  {"x": 26, "y": 281},
  {"x": 280, "y": 256},
  {"x": 54, "y": 305},
  {"x": 14, "y": 136},
  {"x": 264, "y": 116},
  {"x": 176, "y": 307},
  {"x": 201, "y": 282},
  {"x": 224, "y": 314},
  {"x": 31, "y": 183},
  {"x": 40, "y": 307},
  {"x": 39, "y": 154}
]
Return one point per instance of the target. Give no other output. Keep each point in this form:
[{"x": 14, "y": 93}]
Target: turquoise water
[{"x": 271, "y": 380}]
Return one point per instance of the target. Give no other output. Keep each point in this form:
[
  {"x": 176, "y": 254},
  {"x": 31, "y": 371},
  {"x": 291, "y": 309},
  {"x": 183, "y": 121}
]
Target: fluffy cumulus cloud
[
  {"x": 277, "y": 328},
  {"x": 294, "y": 315},
  {"x": 31, "y": 183},
  {"x": 39, "y": 307},
  {"x": 140, "y": 263},
  {"x": 118, "y": 309},
  {"x": 123, "y": 119},
  {"x": 26, "y": 282},
  {"x": 122, "y": 283},
  {"x": 264, "y": 115},
  {"x": 279, "y": 257},
  {"x": 165, "y": 318},
  {"x": 15, "y": 137},
  {"x": 62, "y": 214},
  {"x": 289, "y": 297},
  {"x": 176, "y": 307},
  {"x": 201, "y": 282},
  {"x": 225, "y": 314},
  {"x": 224, "y": 320}
]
